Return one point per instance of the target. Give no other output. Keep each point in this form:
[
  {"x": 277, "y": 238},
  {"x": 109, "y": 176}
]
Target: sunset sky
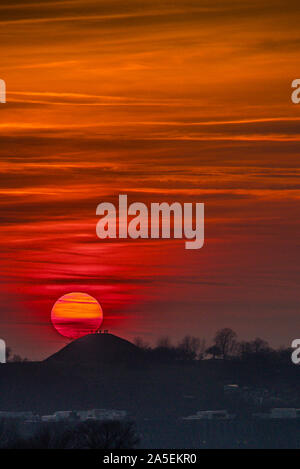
[{"x": 186, "y": 101}]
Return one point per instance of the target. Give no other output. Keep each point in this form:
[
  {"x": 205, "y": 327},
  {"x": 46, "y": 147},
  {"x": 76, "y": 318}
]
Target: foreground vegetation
[{"x": 61, "y": 435}]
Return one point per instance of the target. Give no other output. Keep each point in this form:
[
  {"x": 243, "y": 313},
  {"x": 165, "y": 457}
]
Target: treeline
[
  {"x": 225, "y": 346},
  {"x": 60, "y": 435},
  {"x": 13, "y": 357}
]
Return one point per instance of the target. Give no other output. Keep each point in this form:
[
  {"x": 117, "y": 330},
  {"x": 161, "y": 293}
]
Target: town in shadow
[{"x": 101, "y": 391}]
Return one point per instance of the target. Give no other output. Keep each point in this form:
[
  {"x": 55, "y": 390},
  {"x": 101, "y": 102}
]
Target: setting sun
[{"x": 76, "y": 314}]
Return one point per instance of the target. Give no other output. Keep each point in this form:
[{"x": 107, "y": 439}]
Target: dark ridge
[{"x": 97, "y": 349}]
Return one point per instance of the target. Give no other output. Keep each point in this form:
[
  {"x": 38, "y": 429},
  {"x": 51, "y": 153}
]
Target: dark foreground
[
  {"x": 152, "y": 434},
  {"x": 235, "y": 434}
]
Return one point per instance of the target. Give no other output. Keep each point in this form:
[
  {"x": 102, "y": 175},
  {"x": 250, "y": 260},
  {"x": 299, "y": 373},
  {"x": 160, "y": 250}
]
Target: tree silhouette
[
  {"x": 225, "y": 340},
  {"x": 164, "y": 342},
  {"x": 51, "y": 436},
  {"x": 214, "y": 351},
  {"x": 139, "y": 342},
  {"x": 12, "y": 357},
  {"x": 189, "y": 347},
  {"x": 105, "y": 435},
  {"x": 255, "y": 347}
]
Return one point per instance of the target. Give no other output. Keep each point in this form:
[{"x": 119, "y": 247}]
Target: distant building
[
  {"x": 48, "y": 418},
  {"x": 210, "y": 415},
  {"x": 64, "y": 415},
  {"x": 279, "y": 413},
  {"x": 101, "y": 414},
  {"x": 83, "y": 415},
  {"x": 231, "y": 388},
  {"x": 67, "y": 415}
]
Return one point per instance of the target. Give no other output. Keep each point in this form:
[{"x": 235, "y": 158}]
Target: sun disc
[{"x": 76, "y": 314}]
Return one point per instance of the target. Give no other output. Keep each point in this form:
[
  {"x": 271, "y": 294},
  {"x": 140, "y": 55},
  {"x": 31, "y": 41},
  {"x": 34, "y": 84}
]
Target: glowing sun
[{"x": 76, "y": 314}]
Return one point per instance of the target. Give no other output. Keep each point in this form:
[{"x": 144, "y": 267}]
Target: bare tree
[
  {"x": 164, "y": 350},
  {"x": 260, "y": 345},
  {"x": 12, "y": 357},
  {"x": 214, "y": 351},
  {"x": 189, "y": 347},
  {"x": 18, "y": 359},
  {"x": 139, "y": 342},
  {"x": 8, "y": 353},
  {"x": 52, "y": 435},
  {"x": 105, "y": 435},
  {"x": 254, "y": 347},
  {"x": 202, "y": 349},
  {"x": 225, "y": 340},
  {"x": 164, "y": 342}
]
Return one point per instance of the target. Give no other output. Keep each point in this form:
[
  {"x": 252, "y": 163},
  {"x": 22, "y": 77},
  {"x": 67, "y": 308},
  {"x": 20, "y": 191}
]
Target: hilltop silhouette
[
  {"x": 105, "y": 371},
  {"x": 98, "y": 349}
]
